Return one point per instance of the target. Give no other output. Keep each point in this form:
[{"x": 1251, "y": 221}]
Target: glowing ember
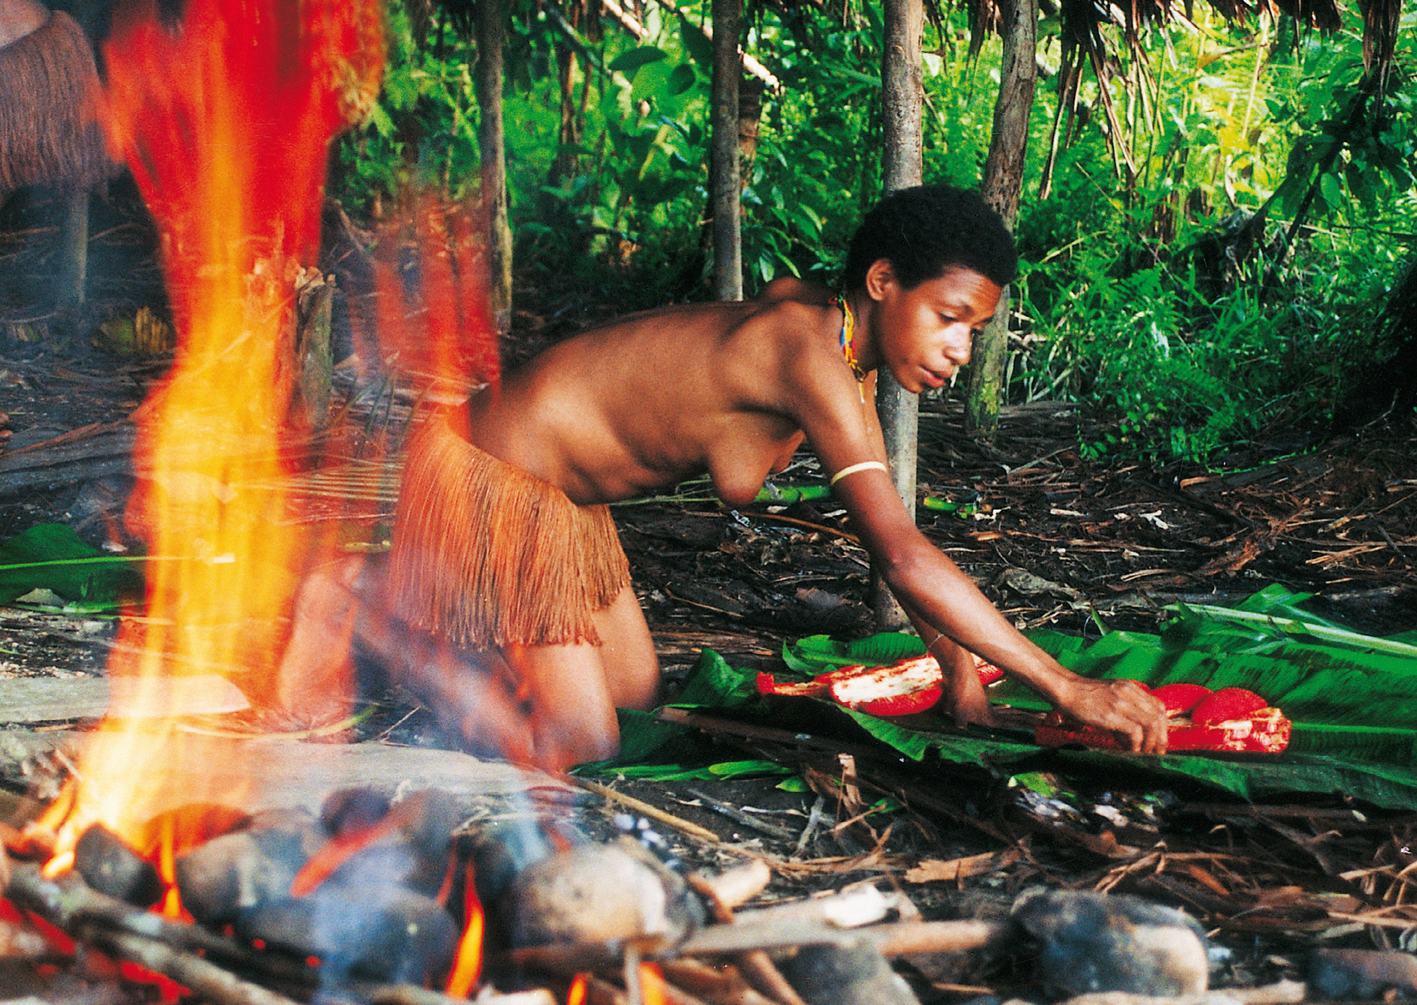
[{"x": 225, "y": 121}]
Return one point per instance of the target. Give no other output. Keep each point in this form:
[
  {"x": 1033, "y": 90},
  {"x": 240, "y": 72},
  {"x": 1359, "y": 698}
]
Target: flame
[
  {"x": 577, "y": 993},
  {"x": 225, "y": 121},
  {"x": 467, "y": 965},
  {"x": 439, "y": 330},
  {"x": 652, "y": 986}
]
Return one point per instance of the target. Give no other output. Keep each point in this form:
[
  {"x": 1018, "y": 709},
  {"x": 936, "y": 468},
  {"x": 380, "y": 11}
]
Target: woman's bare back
[{"x": 658, "y": 397}]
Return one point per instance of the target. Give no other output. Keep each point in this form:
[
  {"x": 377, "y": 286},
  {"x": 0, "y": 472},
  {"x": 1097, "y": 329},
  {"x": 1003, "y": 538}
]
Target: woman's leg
[{"x": 631, "y": 665}]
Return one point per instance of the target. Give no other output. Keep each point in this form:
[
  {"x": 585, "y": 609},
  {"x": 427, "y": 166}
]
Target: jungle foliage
[{"x": 1208, "y": 258}]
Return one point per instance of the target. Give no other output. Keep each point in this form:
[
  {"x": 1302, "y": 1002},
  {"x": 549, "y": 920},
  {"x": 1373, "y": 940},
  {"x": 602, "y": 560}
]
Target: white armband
[{"x": 851, "y": 469}]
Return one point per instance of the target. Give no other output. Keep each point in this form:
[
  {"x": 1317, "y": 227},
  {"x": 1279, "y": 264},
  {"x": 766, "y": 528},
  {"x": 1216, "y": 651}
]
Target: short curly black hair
[{"x": 925, "y": 230}]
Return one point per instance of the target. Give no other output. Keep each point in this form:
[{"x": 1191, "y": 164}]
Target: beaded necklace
[{"x": 848, "y": 342}]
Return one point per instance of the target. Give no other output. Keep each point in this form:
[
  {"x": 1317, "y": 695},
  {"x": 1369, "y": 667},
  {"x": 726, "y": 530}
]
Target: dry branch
[
  {"x": 756, "y": 965},
  {"x": 207, "y": 980},
  {"x": 653, "y": 812},
  {"x": 66, "y": 461}
]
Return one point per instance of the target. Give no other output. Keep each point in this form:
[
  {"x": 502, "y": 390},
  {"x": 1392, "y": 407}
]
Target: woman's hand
[
  {"x": 1122, "y": 706},
  {"x": 964, "y": 698}
]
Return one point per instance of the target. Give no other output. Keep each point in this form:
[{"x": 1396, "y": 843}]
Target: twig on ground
[{"x": 653, "y": 812}]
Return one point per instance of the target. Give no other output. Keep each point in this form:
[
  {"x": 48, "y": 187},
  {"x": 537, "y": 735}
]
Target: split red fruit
[
  {"x": 988, "y": 672},
  {"x": 1231, "y": 719},
  {"x": 814, "y": 688},
  {"x": 903, "y": 688},
  {"x": 1226, "y": 704},
  {"x": 1179, "y": 698}
]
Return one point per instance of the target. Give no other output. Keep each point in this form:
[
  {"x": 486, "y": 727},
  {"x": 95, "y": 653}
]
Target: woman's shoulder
[{"x": 791, "y": 288}]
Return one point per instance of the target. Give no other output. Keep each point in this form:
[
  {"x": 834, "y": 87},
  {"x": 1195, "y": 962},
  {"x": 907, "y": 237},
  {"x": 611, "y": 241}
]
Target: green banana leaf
[
  {"x": 819, "y": 653},
  {"x": 52, "y": 557},
  {"x": 1352, "y": 699}
]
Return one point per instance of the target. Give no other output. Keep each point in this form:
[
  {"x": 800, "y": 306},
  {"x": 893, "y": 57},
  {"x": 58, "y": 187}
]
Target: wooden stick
[
  {"x": 69, "y": 903},
  {"x": 746, "y": 819},
  {"x": 206, "y": 980},
  {"x": 170, "y": 948},
  {"x": 714, "y": 984},
  {"x": 752, "y": 731},
  {"x": 653, "y": 812},
  {"x": 893, "y": 940},
  {"x": 734, "y": 887},
  {"x": 855, "y": 908},
  {"x": 756, "y": 965},
  {"x": 1282, "y": 993},
  {"x": 909, "y": 937},
  {"x": 732, "y": 940}
]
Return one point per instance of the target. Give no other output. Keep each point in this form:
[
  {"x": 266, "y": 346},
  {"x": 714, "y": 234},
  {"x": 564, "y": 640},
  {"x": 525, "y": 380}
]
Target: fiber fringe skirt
[
  {"x": 486, "y": 555},
  {"x": 49, "y": 132}
]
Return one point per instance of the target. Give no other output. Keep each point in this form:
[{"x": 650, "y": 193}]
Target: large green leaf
[
  {"x": 1348, "y": 694},
  {"x": 50, "y": 556},
  {"x": 714, "y": 683},
  {"x": 819, "y": 653},
  {"x": 1353, "y": 700}
]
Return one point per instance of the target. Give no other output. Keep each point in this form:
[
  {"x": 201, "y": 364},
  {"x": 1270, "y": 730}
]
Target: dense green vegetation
[{"x": 1163, "y": 285}]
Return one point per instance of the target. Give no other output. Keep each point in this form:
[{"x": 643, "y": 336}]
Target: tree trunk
[
  {"x": 491, "y": 141},
  {"x": 1003, "y": 181},
  {"x": 727, "y": 232},
  {"x": 901, "y": 99}
]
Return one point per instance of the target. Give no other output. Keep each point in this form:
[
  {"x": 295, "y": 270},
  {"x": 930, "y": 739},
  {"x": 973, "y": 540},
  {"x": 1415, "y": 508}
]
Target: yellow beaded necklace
[{"x": 848, "y": 342}]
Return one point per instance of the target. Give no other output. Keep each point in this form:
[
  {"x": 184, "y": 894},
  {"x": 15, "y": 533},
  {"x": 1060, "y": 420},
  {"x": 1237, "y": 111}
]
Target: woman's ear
[{"x": 878, "y": 277}]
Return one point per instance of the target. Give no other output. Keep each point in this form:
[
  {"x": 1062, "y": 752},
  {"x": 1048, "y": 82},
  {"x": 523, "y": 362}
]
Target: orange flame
[
  {"x": 439, "y": 330},
  {"x": 576, "y": 994},
  {"x": 467, "y": 965},
  {"x": 652, "y": 986},
  {"x": 225, "y": 120}
]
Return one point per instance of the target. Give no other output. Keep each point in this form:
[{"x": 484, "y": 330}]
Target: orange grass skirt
[{"x": 485, "y": 555}]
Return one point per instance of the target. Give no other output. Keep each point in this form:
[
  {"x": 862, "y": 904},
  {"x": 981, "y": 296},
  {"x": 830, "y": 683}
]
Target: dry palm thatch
[
  {"x": 48, "y": 131},
  {"x": 1085, "y": 42},
  {"x": 1381, "y": 19}
]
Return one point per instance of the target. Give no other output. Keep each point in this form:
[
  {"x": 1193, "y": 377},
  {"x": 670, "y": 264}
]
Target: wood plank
[
  {"x": 258, "y": 774},
  {"x": 31, "y": 700}
]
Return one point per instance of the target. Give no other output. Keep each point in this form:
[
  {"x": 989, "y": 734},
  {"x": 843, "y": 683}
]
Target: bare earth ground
[{"x": 1053, "y": 539}]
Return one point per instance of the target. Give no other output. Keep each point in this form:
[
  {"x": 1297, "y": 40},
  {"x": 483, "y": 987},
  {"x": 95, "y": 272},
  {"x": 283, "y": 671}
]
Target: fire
[
  {"x": 577, "y": 994},
  {"x": 225, "y": 120},
  {"x": 652, "y": 987},
  {"x": 442, "y": 333},
  {"x": 467, "y": 966}
]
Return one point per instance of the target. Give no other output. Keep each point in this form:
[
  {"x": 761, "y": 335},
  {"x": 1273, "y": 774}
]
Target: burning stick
[
  {"x": 137, "y": 936},
  {"x": 170, "y": 948}
]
